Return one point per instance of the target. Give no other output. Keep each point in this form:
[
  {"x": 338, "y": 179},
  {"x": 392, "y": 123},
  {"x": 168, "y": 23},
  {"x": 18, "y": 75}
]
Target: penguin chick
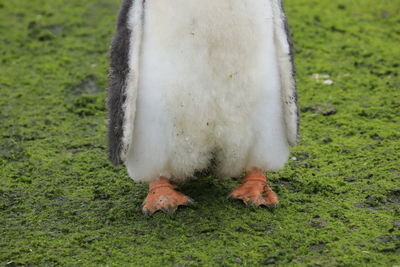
[{"x": 198, "y": 81}]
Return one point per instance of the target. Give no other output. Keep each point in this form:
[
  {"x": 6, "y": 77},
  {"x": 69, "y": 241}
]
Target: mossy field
[{"x": 63, "y": 204}]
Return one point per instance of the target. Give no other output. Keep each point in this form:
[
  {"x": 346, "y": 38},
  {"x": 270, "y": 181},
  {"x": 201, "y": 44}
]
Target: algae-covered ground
[{"x": 62, "y": 203}]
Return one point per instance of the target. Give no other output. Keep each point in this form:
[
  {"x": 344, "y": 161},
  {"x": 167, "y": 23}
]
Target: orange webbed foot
[
  {"x": 254, "y": 189},
  {"x": 162, "y": 196}
]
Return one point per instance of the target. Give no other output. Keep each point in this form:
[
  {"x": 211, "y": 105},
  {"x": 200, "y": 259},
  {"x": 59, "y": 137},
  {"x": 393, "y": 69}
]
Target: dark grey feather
[{"x": 119, "y": 69}]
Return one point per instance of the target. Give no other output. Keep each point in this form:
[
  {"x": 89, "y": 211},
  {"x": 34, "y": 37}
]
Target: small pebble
[
  {"x": 269, "y": 261},
  {"x": 350, "y": 179},
  {"x": 376, "y": 137},
  {"x": 329, "y": 112},
  {"x": 318, "y": 76}
]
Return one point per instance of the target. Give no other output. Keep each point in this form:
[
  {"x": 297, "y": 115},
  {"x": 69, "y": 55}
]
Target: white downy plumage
[{"x": 212, "y": 79}]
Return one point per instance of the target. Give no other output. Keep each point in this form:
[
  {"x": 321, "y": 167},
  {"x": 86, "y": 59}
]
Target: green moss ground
[{"x": 62, "y": 203}]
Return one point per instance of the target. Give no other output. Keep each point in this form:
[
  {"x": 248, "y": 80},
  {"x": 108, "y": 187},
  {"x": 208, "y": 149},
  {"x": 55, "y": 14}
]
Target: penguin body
[{"x": 193, "y": 82}]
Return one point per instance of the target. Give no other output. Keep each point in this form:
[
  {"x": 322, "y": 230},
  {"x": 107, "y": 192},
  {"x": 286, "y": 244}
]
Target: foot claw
[
  {"x": 190, "y": 202},
  {"x": 170, "y": 209},
  {"x": 146, "y": 212}
]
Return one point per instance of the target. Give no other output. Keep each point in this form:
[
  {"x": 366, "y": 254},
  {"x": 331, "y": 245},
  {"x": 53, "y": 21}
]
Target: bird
[{"x": 200, "y": 83}]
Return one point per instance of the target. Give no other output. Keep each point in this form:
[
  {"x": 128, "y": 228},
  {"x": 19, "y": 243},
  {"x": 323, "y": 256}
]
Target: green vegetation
[{"x": 62, "y": 203}]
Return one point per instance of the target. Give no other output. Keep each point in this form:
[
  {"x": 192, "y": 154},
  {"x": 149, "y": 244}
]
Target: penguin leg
[
  {"x": 254, "y": 189},
  {"x": 162, "y": 196}
]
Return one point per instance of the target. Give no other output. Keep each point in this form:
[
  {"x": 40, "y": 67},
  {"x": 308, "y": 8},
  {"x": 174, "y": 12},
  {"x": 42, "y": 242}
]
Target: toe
[
  {"x": 271, "y": 198},
  {"x": 259, "y": 201},
  {"x": 255, "y": 194},
  {"x": 241, "y": 192}
]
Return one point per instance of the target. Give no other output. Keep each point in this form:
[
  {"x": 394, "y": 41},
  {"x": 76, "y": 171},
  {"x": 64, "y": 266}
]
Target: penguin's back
[{"x": 208, "y": 88}]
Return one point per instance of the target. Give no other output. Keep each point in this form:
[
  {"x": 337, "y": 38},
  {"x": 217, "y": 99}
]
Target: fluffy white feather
[
  {"x": 135, "y": 25},
  {"x": 286, "y": 72},
  {"x": 209, "y": 86}
]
